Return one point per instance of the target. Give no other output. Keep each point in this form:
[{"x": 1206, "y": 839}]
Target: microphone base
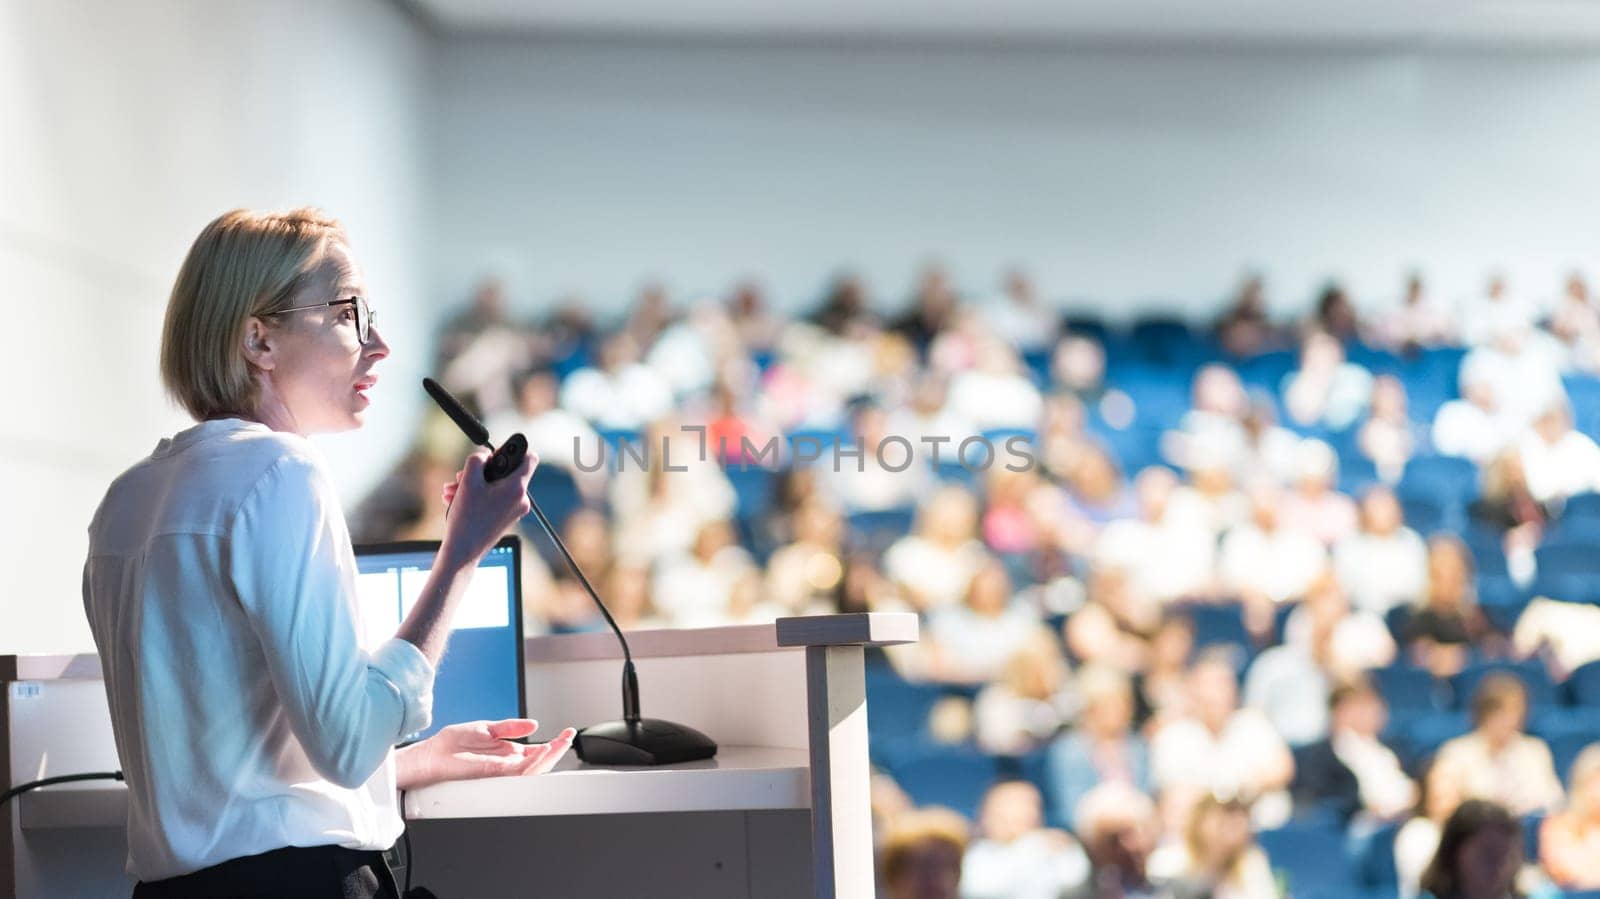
[{"x": 644, "y": 741}]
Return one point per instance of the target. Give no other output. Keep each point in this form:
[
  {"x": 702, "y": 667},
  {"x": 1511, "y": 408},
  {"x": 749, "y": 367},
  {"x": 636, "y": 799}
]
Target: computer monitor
[{"x": 480, "y": 676}]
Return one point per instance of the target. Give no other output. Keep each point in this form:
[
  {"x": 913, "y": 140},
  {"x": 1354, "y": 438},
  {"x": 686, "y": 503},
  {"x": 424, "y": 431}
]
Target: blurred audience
[{"x": 755, "y": 464}]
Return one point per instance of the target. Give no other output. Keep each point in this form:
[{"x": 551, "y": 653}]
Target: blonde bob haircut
[{"x": 243, "y": 264}]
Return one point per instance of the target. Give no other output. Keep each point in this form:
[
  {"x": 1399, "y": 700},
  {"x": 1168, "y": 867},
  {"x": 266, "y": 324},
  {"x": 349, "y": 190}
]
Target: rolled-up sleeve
[
  {"x": 290, "y": 563},
  {"x": 411, "y": 676}
]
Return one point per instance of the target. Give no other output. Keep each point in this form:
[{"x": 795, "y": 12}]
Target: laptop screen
[{"x": 481, "y": 674}]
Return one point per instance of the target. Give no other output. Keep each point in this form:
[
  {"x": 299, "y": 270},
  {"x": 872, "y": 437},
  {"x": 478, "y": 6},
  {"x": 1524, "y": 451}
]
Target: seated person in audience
[
  {"x": 1557, "y": 461},
  {"x": 1324, "y": 643},
  {"x": 1063, "y": 434},
  {"x": 1215, "y": 419},
  {"x": 1114, "y": 626},
  {"x": 1507, "y": 503},
  {"x": 1385, "y": 564},
  {"x": 621, "y": 392},
  {"x": 921, "y": 855},
  {"x": 1103, "y": 747},
  {"x": 1575, "y": 322},
  {"x": 1078, "y": 368},
  {"x": 1266, "y": 563},
  {"x": 1314, "y": 506},
  {"x": 1018, "y": 500},
  {"x": 752, "y": 318},
  {"x": 1244, "y": 329},
  {"x": 1029, "y": 703},
  {"x": 1118, "y": 827},
  {"x": 626, "y": 591},
  {"x": 1221, "y": 748},
  {"x": 1210, "y": 500},
  {"x": 698, "y": 588},
  {"x": 1387, "y": 437},
  {"x": 1015, "y": 856},
  {"x": 1187, "y": 553},
  {"x": 735, "y": 433},
  {"x": 804, "y": 575},
  {"x": 1480, "y": 853},
  {"x": 971, "y": 643},
  {"x": 1418, "y": 840},
  {"x": 559, "y": 437},
  {"x": 657, "y": 512},
  {"x": 1474, "y": 426},
  {"x": 1358, "y": 639},
  {"x": 996, "y": 392},
  {"x": 1443, "y": 633},
  {"x": 869, "y": 483},
  {"x": 1217, "y": 855},
  {"x": 1269, "y": 448},
  {"x": 1352, "y": 770},
  {"x": 1336, "y": 315},
  {"x": 1497, "y": 761},
  {"x": 565, "y": 605},
  {"x": 934, "y": 563},
  {"x": 1524, "y": 364},
  {"x": 1415, "y": 323},
  {"x": 1327, "y": 390},
  {"x": 1097, "y": 494},
  {"x": 926, "y": 419},
  {"x": 1569, "y": 842},
  {"x": 1161, "y": 688},
  {"x": 1018, "y": 316}
]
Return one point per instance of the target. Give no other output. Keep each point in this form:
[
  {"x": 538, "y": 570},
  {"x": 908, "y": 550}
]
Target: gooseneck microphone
[{"x": 633, "y": 740}]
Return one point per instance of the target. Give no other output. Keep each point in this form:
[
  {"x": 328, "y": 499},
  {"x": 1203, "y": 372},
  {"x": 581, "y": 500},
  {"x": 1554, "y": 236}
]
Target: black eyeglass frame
[{"x": 364, "y": 314}]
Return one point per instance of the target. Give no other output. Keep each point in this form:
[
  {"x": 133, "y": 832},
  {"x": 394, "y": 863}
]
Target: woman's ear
[{"x": 258, "y": 343}]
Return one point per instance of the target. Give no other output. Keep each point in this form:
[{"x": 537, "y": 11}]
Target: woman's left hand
[{"x": 478, "y": 749}]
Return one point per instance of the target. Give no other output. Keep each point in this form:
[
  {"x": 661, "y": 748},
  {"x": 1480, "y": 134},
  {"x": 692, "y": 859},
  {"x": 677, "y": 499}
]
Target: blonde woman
[
  {"x": 256, "y": 734},
  {"x": 1569, "y": 842}
]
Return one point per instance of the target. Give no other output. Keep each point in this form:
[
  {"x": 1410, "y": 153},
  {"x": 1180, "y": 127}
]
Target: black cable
[
  {"x": 405, "y": 837},
  {"x": 19, "y": 789}
]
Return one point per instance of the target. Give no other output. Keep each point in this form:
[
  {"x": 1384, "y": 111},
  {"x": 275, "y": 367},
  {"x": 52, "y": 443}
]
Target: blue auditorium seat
[
  {"x": 1445, "y": 479},
  {"x": 897, "y": 709},
  {"x": 1582, "y": 507},
  {"x": 755, "y": 488},
  {"x": 1560, "y": 556},
  {"x": 1417, "y": 736},
  {"x": 1301, "y": 850},
  {"x": 1541, "y": 689},
  {"x": 1356, "y": 474},
  {"x": 1584, "y": 684},
  {"x": 874, "y": 531},
  {"x": 1220, "y": 624},
  {"x": 1502, "y": 600},
  {"x": 1410, "y": 689},
  {"x": 955, "y": 776},
  {"x": 1375, "y": 865},
  {"x": 557, "y": 495},
  {"x": 1425, "y": 515}
]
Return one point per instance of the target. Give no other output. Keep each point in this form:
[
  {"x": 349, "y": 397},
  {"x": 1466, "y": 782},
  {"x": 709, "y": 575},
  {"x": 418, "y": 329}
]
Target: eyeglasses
[{"x": 364, "y": 314}]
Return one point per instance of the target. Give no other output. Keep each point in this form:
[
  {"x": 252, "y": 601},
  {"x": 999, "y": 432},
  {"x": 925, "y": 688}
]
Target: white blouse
[{"x": 220, "y": 587}]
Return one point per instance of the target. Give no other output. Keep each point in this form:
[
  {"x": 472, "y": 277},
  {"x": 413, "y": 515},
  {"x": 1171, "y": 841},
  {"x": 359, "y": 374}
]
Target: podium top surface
[{"x": 860, "y": 629}]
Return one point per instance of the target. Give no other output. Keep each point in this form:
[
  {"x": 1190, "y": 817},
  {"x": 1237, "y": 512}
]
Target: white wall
[
  {"x": 124, "y": 128},
  {"x": 1120, "y": 175}
]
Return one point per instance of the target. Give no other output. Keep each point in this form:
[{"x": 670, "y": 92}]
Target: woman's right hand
[{"x": 480, "y": 512}]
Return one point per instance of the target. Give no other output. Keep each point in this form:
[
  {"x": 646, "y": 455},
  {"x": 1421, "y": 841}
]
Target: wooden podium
[{"x": 782, "y": 811}]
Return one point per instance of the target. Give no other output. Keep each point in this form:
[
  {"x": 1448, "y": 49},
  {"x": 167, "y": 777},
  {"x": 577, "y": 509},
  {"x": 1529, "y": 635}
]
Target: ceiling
[{"x": 1550, "y": 24}]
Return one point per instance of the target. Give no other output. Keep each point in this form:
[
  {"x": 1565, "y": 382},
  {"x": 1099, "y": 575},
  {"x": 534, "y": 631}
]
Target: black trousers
[{"x": 314, "y": 872}]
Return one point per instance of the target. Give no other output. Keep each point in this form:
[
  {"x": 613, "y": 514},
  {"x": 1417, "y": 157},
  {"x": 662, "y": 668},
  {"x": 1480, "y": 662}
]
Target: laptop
[{"x": 481, "y": 674}]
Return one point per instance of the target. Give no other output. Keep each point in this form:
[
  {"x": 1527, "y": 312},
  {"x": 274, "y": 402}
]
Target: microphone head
[{"x": 458, "y": 413}]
